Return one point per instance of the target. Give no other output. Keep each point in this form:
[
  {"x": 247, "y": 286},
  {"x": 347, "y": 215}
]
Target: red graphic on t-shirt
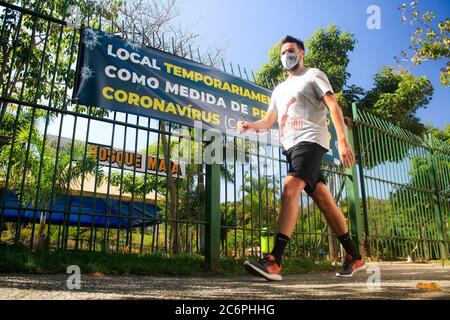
[
  {"x": 294, "y": 123},
  {"x": 285, "y": 116}
]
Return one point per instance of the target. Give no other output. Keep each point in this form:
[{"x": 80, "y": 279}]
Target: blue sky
[{"x": 251, "y": 27}]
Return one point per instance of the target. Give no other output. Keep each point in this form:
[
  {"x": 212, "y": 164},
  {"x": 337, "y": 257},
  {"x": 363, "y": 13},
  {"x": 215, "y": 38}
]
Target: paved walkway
[{"x": 398, "y": 281}]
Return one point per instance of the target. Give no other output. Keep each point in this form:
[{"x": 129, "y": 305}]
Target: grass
[{"x": 19, "y": 260}]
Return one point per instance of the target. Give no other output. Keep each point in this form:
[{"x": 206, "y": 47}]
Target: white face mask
[{"x": 289, "y": 60}]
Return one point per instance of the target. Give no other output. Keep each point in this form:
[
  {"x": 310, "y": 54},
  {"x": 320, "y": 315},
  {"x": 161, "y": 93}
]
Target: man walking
[{"x": 299, "y": 104}]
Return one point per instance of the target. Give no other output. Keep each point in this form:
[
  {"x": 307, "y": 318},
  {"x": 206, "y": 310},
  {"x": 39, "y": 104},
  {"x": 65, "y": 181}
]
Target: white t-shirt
[{"x": 301, "y": 112}]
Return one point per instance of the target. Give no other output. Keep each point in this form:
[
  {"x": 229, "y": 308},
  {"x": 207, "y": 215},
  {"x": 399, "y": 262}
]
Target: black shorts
[{"x": 304, "y": 163}]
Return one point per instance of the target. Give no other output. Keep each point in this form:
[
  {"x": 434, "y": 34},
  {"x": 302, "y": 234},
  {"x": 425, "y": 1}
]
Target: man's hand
[
  {"x": 243, "y": 126},
  {"x": 346, "y": 153},
  {"x": 265, "y": 123}
]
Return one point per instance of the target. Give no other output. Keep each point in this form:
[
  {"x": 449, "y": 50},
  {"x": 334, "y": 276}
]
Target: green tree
[
  {"x": 271, "y": 72},
  {"x": 430, "y": 40},
  {"x": 37, "y": 57},
  {"x": 351, "y": 94},
  {"x": 443, "y": 135},
  {"x": 328, "y": 49},
  {"x": 396, "y": 96},
  {"x": 259, "y": 199}
]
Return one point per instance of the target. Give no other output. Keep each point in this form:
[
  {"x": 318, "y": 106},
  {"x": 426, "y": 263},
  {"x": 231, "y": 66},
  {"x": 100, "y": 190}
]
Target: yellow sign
[{"x": 129, "y": 160}]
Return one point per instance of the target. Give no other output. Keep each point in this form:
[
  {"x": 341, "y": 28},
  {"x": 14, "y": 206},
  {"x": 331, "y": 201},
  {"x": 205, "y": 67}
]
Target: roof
[{"x": 86, "y": 211}]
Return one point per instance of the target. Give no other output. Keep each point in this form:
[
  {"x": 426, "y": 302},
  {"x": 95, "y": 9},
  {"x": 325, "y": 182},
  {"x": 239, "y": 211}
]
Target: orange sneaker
[
  {"x": 266, "y": 268},
  {"x": 351, "y": 266}
]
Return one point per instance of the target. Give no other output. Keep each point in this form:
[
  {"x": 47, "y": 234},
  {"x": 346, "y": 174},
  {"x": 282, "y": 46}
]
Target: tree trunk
[
  {"x": 42, "y": 238},
  {"x": 5, "y": 91},
  {"x": 174, "y": 233}
]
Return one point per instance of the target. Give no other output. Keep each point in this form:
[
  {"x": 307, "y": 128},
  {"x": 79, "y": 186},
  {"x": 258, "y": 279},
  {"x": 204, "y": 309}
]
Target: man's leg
[
  {"x": 290, "y": 205},
  {"x": 336, "y": 220},
  {"x": 269, "y": 267},
  {"x": 325, "y": 201},
  {"x": 287, "y": 219}
]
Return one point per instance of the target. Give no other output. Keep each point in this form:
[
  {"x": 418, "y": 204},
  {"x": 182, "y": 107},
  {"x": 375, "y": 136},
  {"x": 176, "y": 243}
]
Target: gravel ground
[{"x": 398, "y": 281}]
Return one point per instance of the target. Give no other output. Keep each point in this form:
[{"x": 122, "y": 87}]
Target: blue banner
[{"x": 124, "y": 76}]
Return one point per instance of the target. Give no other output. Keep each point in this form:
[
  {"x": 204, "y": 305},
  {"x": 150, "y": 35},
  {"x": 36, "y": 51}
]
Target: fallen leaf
[
  {"x": 428, "y": 286},
  {"x": 97, "y": 274}
]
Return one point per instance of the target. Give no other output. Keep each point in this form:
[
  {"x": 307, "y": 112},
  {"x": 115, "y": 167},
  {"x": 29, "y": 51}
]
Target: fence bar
[{"x": 212, "y": 211}]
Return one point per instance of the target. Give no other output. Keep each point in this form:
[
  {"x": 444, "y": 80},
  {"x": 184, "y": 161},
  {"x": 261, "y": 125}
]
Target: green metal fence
[
  {"x": 395, "y": 200},
  {"x": 37, "y": 74},
  {"x": 405, "y": 182}
]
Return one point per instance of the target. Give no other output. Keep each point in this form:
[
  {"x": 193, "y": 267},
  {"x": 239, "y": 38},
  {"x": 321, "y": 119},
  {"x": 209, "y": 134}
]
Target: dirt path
[{"x": 397, "y": 281}]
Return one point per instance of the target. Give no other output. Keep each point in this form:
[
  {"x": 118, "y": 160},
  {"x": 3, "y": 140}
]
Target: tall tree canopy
[
  {"x": 395, "y": 96},
  {"x": 327, "y": 49}
]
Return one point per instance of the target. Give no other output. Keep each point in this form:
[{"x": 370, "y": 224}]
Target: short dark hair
[{"x": 291, "y": 39}]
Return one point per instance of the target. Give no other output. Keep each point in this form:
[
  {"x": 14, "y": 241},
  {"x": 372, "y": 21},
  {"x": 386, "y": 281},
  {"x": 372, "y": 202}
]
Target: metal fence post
[
  {"x": 212, "y": 211},
  {"x": 353, "y": 198}
]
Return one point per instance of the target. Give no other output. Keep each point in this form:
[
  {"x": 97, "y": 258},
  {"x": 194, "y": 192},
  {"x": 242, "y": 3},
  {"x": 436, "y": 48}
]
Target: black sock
[
  {"x": 348, "y": 245},
  {"x": 281, "y": 241}
]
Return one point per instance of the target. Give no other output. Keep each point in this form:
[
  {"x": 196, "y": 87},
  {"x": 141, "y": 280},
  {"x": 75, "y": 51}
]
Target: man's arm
[
  {"x": 345, "y": 150},
  {"x": 265, "y": 123}
]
